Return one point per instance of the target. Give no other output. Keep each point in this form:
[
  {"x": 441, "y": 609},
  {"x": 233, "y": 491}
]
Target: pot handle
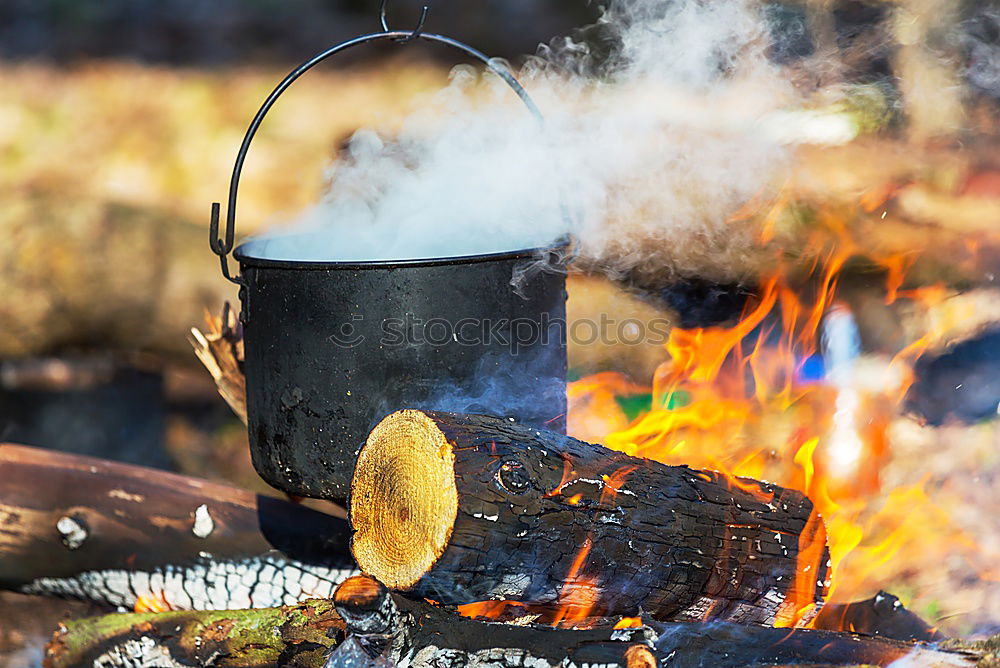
[{"x": 222, "y": 246}]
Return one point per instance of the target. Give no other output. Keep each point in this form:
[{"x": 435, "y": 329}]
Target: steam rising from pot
[{"x": 644, "y": 152}]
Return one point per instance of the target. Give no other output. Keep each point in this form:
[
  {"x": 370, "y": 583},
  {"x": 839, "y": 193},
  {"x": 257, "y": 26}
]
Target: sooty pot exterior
[{"x": 331, "y": 348}]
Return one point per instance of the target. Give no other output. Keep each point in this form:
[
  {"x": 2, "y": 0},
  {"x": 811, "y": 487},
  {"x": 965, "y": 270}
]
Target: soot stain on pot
[{"x": 291, "y": 398}]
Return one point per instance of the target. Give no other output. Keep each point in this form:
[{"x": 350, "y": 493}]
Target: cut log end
[
  {"x": 359, "y": 593},
  {"x": 639, "y": 656},
  {"x": 366, "y": 606},
  {"x": 405, "y": 478}
]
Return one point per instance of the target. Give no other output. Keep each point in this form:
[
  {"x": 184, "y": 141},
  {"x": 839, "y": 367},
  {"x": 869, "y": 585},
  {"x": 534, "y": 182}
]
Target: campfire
[{"x": 728, "y": 495}]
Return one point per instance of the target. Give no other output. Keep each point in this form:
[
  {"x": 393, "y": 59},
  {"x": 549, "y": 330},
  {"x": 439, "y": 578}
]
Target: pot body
[{"x": 331, "y": 348}]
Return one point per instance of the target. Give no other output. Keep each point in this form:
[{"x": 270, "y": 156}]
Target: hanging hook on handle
[
  {"x": 416, "y": 31},
  {"x": 222, "y": 243}
]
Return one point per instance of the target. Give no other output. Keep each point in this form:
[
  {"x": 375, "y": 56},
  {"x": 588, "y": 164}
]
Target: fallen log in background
[
  {"x": 71, "y": 276},
  {"x": 124, "y": 535},
  {"x": 466, "y": 508}
]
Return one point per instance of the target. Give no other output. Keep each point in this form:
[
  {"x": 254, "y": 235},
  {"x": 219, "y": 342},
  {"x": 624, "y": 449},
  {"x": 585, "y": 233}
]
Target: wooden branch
[
  {"x": 124, "y": 535},
  {"x": 299, "y": 635},
  {"x": 221, "y": 351},
  {"x": 466, "y": 508}
]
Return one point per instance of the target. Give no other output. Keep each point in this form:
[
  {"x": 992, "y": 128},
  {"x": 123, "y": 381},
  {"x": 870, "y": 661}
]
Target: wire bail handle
[{"x": 222, "y": 246}]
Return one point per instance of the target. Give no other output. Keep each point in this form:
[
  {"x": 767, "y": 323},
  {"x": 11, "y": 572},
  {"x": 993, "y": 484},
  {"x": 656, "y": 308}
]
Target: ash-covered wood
[
  {"x": 465, "y": 508},
  {"x": 129, "y": 536}
]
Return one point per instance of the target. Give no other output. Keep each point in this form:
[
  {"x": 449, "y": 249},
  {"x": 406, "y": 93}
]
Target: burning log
[
  {"x": 466, "y": 508},
  {"x": 723, "y": 645},
  {"x": 411, "y": 633},
  {"x": 129, "y": 536}
]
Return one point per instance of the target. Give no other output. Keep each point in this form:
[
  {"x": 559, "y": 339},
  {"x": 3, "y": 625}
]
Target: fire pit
[{"x": 737, "y": 507}]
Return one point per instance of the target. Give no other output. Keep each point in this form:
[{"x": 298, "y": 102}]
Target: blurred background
[{"x": 120, "y": 120}]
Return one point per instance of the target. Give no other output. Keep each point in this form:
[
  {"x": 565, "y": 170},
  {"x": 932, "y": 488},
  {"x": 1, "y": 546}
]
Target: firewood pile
[
  {"x": 493, "y": 509},
  {"x": 481, "y": 541}
]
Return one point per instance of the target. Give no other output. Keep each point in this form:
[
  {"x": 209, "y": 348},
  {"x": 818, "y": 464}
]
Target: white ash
[
  {"x": 261, "y": 582},
  {"x": 203, "y": 525},
  {"x": 72, "y": 531}
]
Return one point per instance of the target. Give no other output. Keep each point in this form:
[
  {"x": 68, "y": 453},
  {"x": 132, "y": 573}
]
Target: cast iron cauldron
[{"x": 326, "y": 351}]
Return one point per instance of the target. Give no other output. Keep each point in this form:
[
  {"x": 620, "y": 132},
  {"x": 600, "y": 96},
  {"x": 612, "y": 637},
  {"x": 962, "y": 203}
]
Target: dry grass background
[{"x": 166, "y": 138}]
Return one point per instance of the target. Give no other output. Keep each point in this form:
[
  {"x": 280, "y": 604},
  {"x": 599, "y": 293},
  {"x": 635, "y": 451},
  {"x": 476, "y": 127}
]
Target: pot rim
[{"x": 244, "y": 258}]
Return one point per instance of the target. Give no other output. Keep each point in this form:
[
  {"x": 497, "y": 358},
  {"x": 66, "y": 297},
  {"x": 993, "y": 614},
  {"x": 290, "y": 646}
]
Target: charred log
[
  {"x": 412, "y": 633},
  {"x": 126, "y": 535},
  {"x": 723, "y": 645},
  {"x": 882, "y": 615},
  {"x": 465, "y": 508},
  {"x": 387, "y": 629}
]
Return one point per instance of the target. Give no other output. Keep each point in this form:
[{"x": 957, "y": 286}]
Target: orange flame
[
  {"x": 735, "y": 401},
  {"x": 579, "y": 592}
]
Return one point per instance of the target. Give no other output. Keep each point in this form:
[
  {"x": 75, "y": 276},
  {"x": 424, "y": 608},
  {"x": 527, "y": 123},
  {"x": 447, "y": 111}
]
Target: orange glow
[
  {"x": 629, "y": 623},
  {"x": 579, "y": 593},
  {"x": 614, "y": 482},
  {"x": 567, "y": 477},
  {"x": 153, "y": 603},
  {"x": 487, "y": 609}
]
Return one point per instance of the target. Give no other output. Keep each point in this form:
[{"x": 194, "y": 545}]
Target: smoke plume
[{"x": 658, "y": 127}]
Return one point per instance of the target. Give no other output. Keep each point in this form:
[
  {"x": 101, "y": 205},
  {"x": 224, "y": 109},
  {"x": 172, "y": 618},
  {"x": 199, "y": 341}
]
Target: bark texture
[
  {"x": 130, "y": 536},
  {"x": 299, "y": 635},
  {"x": 464, "y": 508}
]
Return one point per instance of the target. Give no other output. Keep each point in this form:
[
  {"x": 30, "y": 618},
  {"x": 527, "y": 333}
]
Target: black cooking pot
[{"x": 332, "y": 347}]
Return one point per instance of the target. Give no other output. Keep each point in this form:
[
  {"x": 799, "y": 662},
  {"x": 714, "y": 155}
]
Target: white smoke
[{"x": 645, "y": 153}]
